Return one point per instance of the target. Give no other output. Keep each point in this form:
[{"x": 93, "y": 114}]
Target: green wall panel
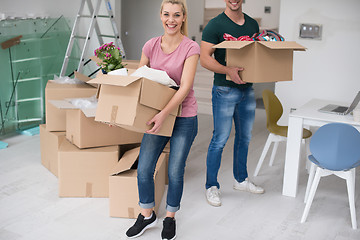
[{"x": 26, "y": 67}]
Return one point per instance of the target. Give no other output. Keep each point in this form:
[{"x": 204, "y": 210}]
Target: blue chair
[{"x": 335, "y": 149}]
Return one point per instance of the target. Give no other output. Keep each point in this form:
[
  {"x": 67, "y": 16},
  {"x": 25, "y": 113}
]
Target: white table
[{"x": 307, "y": 115}]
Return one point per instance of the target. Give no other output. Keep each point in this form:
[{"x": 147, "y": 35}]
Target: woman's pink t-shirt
[{"x": 173, "y": 65}]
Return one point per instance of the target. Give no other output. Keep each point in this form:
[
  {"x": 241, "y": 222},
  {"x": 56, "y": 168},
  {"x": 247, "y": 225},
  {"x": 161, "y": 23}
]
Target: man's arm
[{"x": 210, "y": 63}]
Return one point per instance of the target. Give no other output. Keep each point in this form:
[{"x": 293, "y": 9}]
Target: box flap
[
  {"x": 82, "y": 77},
  {"x": 114, "y": 80},
  {"x": 126, "y": 161},
  {"x": 270, "y": 44},
  {"x": 131, "y": 64},
  {"x": 89, "y": 112},
  {"x": 156, "y": 95},
  {"x": 64, "y": 104},
  {"x": 233, "y": 44},
  {"x": 54, "y": 85},
  {"x": 282, "y": 45}
]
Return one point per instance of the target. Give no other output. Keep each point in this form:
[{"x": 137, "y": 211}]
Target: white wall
[
  {"x": 139, "y": 24},
  {"x": 51, "y": 8},
  {"x": 329, "y": 69},
  {"x": 255, "y": 9},
  {"x": 196, "y": 18}
]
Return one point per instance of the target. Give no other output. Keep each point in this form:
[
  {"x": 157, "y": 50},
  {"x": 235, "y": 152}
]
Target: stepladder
[{"x": 90, "y": 25}]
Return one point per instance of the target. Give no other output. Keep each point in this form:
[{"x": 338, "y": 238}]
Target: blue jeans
[
  {"x": 183, "y": 135},
  {"x": 230, "y": 104}
]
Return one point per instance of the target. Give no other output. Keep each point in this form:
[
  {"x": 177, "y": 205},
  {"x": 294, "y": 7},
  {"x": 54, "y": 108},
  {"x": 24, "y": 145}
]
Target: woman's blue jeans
[
  {"x": 183, "y": 135},
  {"x": 230, "y": 104}
]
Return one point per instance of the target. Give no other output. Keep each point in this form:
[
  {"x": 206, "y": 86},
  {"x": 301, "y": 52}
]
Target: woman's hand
[{"x": 157, "y": 120}]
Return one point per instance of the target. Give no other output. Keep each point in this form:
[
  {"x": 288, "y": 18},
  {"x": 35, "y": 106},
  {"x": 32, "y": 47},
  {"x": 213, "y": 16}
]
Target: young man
[{"x": 231, "y": 100}]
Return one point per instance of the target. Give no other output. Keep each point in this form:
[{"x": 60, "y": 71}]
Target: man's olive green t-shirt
[{"x": 213, "y": 33}]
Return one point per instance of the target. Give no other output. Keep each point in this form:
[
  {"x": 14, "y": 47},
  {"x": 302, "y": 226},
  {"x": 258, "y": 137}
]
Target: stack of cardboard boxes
[{"x": 89, "y": 152}]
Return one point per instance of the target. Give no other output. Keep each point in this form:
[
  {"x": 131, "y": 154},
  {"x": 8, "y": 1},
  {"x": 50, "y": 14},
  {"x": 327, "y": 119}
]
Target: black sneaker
[
  {"x": 169, "y": 229},
  {"x": 141, "y": 225}
]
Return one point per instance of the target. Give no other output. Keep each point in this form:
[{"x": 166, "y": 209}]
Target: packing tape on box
[
  {"x": 113, "y": 114},
  {"x": 88, "y": 189},
  {"x": 131, "y": 213}
]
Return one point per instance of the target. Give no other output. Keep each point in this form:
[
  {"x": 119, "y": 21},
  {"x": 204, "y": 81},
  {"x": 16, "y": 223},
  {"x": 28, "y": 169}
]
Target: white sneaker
[
  {"x": 213, "y": 196},
  {"x": 248, "y": 186}
]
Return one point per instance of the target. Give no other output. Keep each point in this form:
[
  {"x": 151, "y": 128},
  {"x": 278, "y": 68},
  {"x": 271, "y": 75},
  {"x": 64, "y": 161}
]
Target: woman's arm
[
  {"x": 144, "y": 60},
  {"x": 187, "y": 81}
]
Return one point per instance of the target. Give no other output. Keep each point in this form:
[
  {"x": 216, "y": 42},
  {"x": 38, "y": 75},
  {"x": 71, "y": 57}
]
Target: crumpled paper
[
  {"x": 154, "y": 75},
  {"x": 67, "y": 80},
  {"x": 84, "y": 103}
]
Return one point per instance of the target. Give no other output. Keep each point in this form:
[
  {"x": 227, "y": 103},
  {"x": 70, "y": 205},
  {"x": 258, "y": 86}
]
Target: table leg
[{"x": 292, "y": 157}]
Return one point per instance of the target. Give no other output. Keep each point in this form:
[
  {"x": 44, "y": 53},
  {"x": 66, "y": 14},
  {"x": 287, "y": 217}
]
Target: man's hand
[{"x": 233, "y": 72}]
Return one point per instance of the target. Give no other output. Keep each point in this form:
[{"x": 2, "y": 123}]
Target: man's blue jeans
[
  {"x": 183, "y": 135},
  {"x": 230, "y": 104}
]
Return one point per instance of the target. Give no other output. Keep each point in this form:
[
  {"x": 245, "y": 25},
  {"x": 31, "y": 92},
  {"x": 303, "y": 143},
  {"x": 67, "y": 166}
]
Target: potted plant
[{"x": 110, "y": 57}]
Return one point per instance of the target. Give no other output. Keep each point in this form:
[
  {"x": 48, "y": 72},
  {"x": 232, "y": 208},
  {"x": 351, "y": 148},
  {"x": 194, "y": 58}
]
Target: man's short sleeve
[{"x": 210, "y": 34}]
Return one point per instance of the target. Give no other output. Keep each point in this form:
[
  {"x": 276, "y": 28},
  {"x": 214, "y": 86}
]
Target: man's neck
[{"x": 236, "y": 16}]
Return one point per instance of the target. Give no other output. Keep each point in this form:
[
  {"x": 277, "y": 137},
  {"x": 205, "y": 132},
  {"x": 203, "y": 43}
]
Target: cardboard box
[
  {"x": 123, "y": 189},
  {"x": 263, "y": 61},
  {"x": 83, "y": 131},
  {"x": 131, "y": 64},
  {"x": 130, "y": 102},
  {"x": 85, "y": 172},
  {"x": 49, "y": 144},
  {"x": 56, "y": 118}
]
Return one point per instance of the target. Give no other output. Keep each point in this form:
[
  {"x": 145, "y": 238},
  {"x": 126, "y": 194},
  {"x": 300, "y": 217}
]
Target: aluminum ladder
[{"x": 94, "y": 15}]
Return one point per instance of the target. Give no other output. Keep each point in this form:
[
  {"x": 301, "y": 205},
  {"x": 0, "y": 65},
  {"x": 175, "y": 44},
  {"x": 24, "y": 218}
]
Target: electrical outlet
[
  {"x": 312, "y": 31},
  {"x": 267, "y": 9}
]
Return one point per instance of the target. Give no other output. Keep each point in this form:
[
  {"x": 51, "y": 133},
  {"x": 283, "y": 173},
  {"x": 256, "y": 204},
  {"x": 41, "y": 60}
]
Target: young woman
[{"x": 176, "y": 54}]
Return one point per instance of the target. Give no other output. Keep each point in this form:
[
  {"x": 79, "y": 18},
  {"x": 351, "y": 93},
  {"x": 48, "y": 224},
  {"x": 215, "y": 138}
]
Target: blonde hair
[{"x": 182, "y": 3}]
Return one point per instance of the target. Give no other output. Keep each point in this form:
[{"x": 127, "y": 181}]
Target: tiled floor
[{"x": 31, "y": 209}]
